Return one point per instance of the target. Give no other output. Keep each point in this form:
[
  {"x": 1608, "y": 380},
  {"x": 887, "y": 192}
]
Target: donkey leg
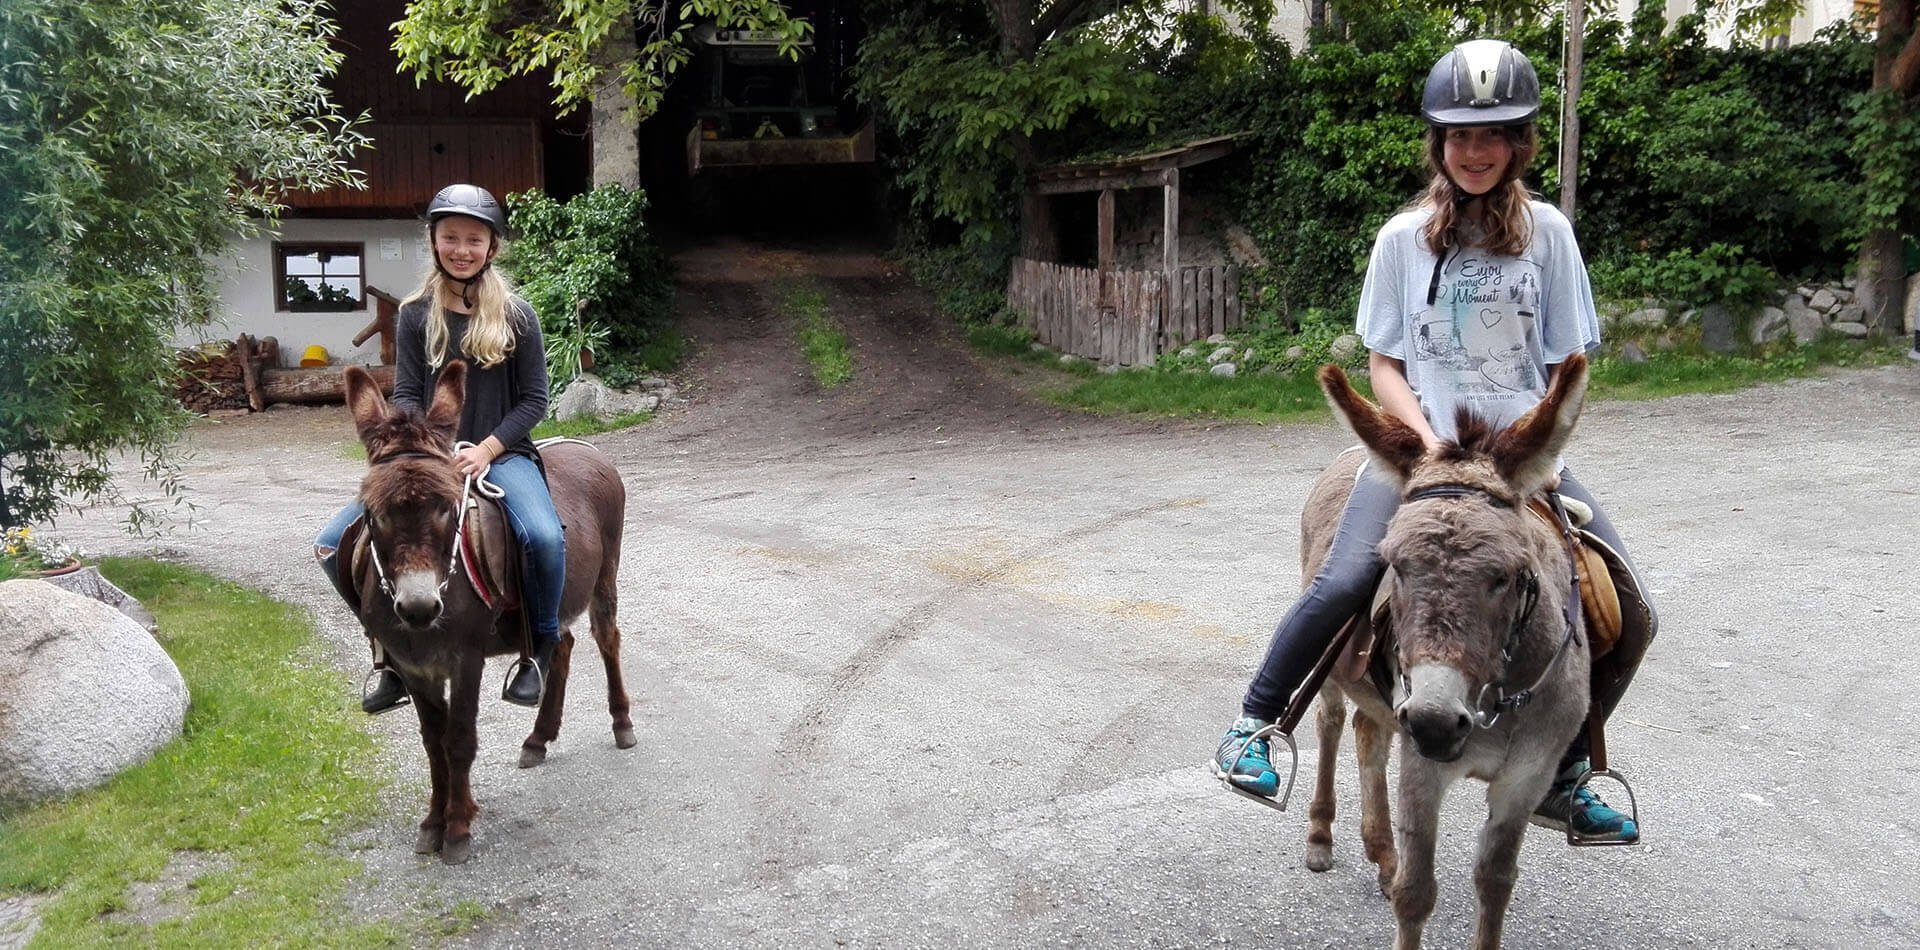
[
  {"x": 1373, "y": 742},
  {"x": 546, "y": 726},
  {"x": 433, "y": 726},
  {"x": 1510, "y": 801},
  {"x": 1330, "y": 717},
  {"x": 461, "y": 744},
  {"x": 606, "y": 635},
  {"x": 1414, "y": 890}
]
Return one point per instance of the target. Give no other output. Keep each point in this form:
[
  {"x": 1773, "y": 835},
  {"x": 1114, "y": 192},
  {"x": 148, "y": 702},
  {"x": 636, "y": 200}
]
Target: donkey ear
[
  {"x": 443, "y": 414},
  {"x": 1394, "y": 445},
  {"x": 1527, "y": 453},
  {"x": 364, "y": 402}
]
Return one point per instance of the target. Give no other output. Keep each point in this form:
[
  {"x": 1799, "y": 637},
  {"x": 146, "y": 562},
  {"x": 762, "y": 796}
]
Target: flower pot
[{"x": 72, "y": 564}]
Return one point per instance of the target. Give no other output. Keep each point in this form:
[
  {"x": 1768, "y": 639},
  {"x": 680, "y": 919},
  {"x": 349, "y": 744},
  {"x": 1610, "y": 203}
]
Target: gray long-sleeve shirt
[{"x": 505, "y": 400}]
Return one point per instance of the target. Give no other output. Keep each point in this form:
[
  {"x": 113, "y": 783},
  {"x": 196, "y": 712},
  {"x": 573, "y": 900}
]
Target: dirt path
[{"x": 925, "y": 663}]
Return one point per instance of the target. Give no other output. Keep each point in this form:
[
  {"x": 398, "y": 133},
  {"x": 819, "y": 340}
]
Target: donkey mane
[
  {"x": 406, "y": 481},
  {"x": 1473, "y": 437}
]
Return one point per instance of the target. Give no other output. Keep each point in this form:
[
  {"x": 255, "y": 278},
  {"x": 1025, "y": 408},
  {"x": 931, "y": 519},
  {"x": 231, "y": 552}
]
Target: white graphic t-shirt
[{"x": 1494, "y": 324}]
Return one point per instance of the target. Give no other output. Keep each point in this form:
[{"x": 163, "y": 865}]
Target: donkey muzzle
[
  {"x": 416, "y": 600},
  {"x": 1436, "y": 715}
]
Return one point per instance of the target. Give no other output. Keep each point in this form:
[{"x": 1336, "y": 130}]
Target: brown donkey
[
  {"x": 1489, "y": 663},
  {"x": 416, "y": 598}
]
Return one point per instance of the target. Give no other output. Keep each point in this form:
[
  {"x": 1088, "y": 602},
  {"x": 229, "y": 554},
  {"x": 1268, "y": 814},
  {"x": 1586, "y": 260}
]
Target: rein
[
  {"x": 470, "y": 485},
  {"x": 1504, "y": 702}
]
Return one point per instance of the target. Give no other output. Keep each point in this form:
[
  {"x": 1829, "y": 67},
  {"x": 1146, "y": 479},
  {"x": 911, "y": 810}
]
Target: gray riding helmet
[
  {"x": 1481, "y": 82},
  {"x": 470, "y": 201}
]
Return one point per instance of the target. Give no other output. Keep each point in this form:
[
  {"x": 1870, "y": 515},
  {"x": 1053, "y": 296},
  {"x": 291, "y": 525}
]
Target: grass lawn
[{"x": 274, "y": 766}]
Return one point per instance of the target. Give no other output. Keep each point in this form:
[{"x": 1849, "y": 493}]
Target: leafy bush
[
  {"x": 593, "y": 249},
  {"x": 1719, "y": 273}
]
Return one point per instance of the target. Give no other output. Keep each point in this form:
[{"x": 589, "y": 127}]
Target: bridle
[
  {"x": 470, "y": 485},
  {"x": 1485, "y": 716}
]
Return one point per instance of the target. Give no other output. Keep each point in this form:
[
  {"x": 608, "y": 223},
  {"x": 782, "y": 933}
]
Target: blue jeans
[{"x": 535, "y": 523}]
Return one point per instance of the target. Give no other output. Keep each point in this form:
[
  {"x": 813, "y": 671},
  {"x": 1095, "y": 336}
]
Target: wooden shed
[{"x": 1126, "y": 316}]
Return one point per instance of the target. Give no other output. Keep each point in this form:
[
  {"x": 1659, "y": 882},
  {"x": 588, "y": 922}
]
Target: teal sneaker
[
  {"x": 1244, "y": 760},
  {"x": 1592, "y": 818}
]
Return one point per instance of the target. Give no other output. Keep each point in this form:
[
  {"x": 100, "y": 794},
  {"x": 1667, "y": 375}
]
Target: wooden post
[
  {"x": 385, "y": 309},
  {"x": 1170, "y": 253},
  {"x": 1574, "y": 62},
  {"x": 1106, "y": 230},
  {"x": 249, "y": 373}
]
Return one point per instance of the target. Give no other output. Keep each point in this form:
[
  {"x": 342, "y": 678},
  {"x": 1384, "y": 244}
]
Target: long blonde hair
[
  {"x": 490, "y": 337},
  {"x": 1507, "y": 227}
]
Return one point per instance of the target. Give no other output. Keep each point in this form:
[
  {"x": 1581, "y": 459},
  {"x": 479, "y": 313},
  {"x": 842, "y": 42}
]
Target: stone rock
[
  {"x": 105, "y": 695},
  {"x": 1068, "y": 359},
  {"x": 1037, "y": 347},
  {"x": 1648, "y": 317},
  {"x": 653, "y": 382},
  {"x": 1246, "y": 355},
  {"x": 1823, "y": 300},
  {"x": 1345, "y": 348},
  {"x": 1804, "y": 322},
  {"x": 1109, "y": 369},
  {"x": 1296, "y": 353},
  {"x": 1852, "y": 331},
  {"x": 1220, "y": 354},
  {"x": 623, "y": 403},
  {"x": 87, "y": 582},
  {"x": 584, "y": 398},
  {"x": 1770, "y": 325},
  {"x": 1224, "y": 369},
  {"x": 1632, "y": 353},
  {"x": 1217, "y": 338},
  {"x": 1188, "y": 352},
  {"x": 1688, "y": 317},
  {"x": 1850, "y": 313},
  {"x": 1717, "y": 329},
  {"x": 1849, "y": 282}
]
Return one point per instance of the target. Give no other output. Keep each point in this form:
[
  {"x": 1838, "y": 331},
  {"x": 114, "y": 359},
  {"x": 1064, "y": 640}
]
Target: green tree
[
  {"x": 137, "y": 138},
  {"x": 476, "y": 45}
]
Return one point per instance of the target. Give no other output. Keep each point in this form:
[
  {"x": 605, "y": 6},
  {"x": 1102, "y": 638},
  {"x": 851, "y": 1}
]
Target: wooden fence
[{"x": 1123, "y": 316}]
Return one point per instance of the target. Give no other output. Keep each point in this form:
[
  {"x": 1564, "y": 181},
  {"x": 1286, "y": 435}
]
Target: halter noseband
[{"x": 1503, "y": 702}]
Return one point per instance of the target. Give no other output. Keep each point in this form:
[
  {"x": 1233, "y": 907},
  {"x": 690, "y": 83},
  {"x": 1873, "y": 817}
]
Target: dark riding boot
[
  {"x": 529, "y": 680},
  {"x": 387, "y": 691}
]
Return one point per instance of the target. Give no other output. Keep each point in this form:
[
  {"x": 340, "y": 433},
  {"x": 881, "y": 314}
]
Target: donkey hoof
[
  {"x": 624, "y": 738},
  {"x": 429, "y": 840},
  {"x": 531, "y": 756},
  {"x": 457, "y": 852},
  {"x": 1319, "y": 858}
]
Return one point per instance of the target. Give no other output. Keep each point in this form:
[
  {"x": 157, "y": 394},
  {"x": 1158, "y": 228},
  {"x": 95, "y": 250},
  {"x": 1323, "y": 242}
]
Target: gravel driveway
[{"x": 925, "y": 663}]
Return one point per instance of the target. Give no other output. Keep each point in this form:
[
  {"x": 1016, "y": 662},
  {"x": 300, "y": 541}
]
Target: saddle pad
[
  {"x": 1599, "y": 597},
  {"x": 490, "y": 556}
]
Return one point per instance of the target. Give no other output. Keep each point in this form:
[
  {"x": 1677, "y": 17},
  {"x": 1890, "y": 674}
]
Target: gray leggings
[{"x": 1344, "y": 586}]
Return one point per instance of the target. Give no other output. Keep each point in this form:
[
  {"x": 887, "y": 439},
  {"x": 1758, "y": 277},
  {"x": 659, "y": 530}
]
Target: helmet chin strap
[{"x": 466, "y": 283}]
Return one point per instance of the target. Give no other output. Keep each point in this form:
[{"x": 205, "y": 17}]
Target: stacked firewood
[
  {"x": 224, "y": 378},
  {"x": 211, "y": 379}
]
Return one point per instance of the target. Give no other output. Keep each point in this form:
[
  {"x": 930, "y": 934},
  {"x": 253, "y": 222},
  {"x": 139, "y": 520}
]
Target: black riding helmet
[
  {"x": 471, "y": 201},
  {"x": 1481, "y": 82}
]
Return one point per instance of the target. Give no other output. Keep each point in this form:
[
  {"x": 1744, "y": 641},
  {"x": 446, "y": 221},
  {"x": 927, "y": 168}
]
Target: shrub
[{"x": 595, "y": 249}]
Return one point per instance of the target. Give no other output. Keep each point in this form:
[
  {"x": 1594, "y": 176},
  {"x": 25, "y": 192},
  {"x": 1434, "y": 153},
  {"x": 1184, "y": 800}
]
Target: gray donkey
[{"x": 1487, "y": 675}]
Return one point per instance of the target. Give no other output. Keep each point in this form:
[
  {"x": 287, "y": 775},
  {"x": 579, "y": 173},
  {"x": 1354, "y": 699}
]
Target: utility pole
[{"x": 1571, "y": 64}]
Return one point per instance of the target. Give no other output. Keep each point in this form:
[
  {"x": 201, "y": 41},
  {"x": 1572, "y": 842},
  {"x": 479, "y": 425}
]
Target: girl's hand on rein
[{"x": 474, "y": 460}]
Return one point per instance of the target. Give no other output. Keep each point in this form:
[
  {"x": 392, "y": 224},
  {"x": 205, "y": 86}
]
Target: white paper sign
[
  {"x": 420, "y": 249},
  {"x": 390, "y": 249}
]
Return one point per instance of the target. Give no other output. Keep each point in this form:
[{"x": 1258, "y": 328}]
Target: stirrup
[
  {"x": 1270, "y": 731},
  {"x": 513, "y": 669},
  {"x": 1578, "y": 840},
  {"x": 366, "y": 689}
]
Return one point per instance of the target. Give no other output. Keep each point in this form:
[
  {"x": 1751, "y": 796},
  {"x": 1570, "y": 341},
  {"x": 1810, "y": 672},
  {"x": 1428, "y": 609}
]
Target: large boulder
[
  {"x": 584, "y": 398},
  {"x": 103, "y": 695}
]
